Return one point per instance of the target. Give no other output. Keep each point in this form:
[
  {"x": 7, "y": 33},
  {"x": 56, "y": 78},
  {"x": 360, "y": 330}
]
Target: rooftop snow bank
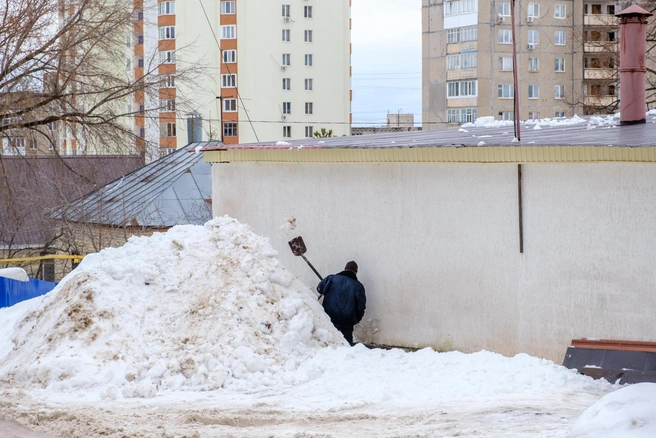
[{"x": 195, "y": 308}]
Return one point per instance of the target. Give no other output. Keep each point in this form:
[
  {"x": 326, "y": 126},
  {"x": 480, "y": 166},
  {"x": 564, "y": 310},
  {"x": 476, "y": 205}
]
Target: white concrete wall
[{"x": 438, "y": 246}]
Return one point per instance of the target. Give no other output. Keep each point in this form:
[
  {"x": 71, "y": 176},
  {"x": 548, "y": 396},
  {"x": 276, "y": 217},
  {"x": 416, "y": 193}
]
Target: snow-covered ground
[{"x": 200, "y": 332}]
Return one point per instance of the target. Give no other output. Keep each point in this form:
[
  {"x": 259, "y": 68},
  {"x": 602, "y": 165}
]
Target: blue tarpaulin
[{"x": 15, "y": 291}]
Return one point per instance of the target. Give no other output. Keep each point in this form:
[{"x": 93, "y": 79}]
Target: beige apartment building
[
  {"x": 567, "y": 59},
  {"x": 271, "y": 70}
]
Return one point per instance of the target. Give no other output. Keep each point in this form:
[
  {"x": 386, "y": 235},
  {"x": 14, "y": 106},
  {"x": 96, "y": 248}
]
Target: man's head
[{"x": 351, "y": 266}]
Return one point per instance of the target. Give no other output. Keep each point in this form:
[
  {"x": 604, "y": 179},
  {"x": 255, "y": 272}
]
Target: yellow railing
[{"x": 75, "y": 258}]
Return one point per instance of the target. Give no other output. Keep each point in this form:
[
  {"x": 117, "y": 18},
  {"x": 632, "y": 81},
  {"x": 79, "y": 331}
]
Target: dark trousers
[{"x": 346, "y": 330}]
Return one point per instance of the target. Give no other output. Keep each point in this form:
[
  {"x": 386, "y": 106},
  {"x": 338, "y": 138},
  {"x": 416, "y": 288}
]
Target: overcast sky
[{"x": 386, "y": 37}]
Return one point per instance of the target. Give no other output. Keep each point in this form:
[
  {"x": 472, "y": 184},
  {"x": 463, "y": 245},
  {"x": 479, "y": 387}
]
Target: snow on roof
[
  {"x": 196, "y": 308},
  {"x": 572, "y": 131}
]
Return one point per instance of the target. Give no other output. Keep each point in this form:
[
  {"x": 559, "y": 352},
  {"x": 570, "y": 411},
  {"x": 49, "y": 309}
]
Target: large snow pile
[
  {"x": 195, "y": 308},
  {"x": 626, "y": 413}
]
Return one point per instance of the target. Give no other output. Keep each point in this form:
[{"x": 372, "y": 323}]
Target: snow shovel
[{"x": 298, "y": 249}]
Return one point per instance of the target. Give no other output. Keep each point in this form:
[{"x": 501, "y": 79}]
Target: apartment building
[
  {"x": 567, "y": 59},
  {"x": 267, "y": 70}
]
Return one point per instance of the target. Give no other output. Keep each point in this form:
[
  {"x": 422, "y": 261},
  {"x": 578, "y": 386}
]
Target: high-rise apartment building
[
  {"x": 267, "y": 70},
  {"x": 567, "y": 59}
]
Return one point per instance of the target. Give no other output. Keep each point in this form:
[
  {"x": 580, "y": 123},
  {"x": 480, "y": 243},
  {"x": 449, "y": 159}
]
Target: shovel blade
[{"x": 298, "y": 246}]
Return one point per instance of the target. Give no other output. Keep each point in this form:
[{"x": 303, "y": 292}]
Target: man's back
[{"x": 344, "y": 297}]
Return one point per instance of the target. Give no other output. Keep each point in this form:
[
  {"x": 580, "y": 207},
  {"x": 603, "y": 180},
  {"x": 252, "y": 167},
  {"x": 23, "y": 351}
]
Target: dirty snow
[{"x": 201, "y": 332}]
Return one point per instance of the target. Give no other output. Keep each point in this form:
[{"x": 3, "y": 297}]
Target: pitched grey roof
[{"x": 173, "y": 190}]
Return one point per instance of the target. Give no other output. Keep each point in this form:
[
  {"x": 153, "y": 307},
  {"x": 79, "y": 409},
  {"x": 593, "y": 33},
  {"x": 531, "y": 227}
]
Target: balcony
[
  {"x": 600, "y": 46},
  {"x": 599, "y": 101},
  {"x": 600, "y": 20},
  {"x": 599, "y": 73}
]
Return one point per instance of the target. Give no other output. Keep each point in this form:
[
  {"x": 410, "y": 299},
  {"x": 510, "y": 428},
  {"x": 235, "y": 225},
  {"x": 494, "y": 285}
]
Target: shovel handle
[{"x": 310, "y": 264}]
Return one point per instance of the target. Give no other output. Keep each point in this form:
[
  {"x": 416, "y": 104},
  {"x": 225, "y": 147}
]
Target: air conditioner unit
[
  {"x": 529, "y": 19},
  {"x": 288, "y": 19},
  {"x": 501, "y": 19},
  {"x": 531, "y": 46}
]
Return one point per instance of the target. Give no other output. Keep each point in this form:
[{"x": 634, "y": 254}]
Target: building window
[
  {"x": 140, "y": 62},
  {"x": 534, "y": 37},
  {"x": 505, "y": 63},
  {"x": 559, "y": 92},
  {"x": 166, "y": 8},
  {"x": 560, "y": 11},
  {"x": 227, "y": 7},
  {"x": 533, "y": 116},
  {"x": 456, "y": 7},
  {"x": 506, "y": 115},
  {"x": 534, "y": 10},
  {"x": 167, "y": 105},
  {"x": 229, "y": 56},
  {"x": 286, "y": 84},
  {"x": 167, "y": 130},
  {"x": 167, "y": 81},
  {"x": 559, "y": 38},
  {"x": 533, "y": 64},
  {"x": 504, "y": 9},
  {"x": 309, "y": 131},
  {"x": 506, "y": 91},
  {"x": 461, "y": 61},
  {"x": 53, "y": 125},
  {"x": 308, "y": 36},
  {"x": 309, "y": 108},
  {"x": 559, "y": 114},
  {"x": 166, "y": 57},
  {"x": 505, "y": 36},
  {"x": 462, "y": 34},
  {"x": 308, "y": 60},
  {"x": 533, "y": 91},
  {"x": 166, "y": 32},
  {"x": 559, "y": 65},
  {"x": 462, "y": 115},
  {"x": 286, "y": 59},
  {"x": 286, "y": 35},
  {"x": 229, "y": 32},
  {"x": 286, "y": 107},
  {"x": 229, "y": 105},
  {"x": 287, "y": 131},
  {"x": 309, "y": 84},
  {"x": 229, "y": 129},
  {"x": 307, "y": 11},
  {"x": 142, "y": 108},
  {"x": 228, "y": 81},
  {"x": 286, "y": 11},
  {"x": 461, "y": 89}
]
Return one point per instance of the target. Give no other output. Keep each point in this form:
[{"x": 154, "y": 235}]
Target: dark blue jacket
[{"x": 343, "y": 297}]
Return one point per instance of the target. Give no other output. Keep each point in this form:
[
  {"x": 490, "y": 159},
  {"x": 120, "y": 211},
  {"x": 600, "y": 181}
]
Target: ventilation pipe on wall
[{"x": 633, "y": 65}]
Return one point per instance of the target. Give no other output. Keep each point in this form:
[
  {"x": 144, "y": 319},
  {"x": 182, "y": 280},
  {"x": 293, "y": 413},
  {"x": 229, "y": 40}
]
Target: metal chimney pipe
[{"x": 633, "y": 65}]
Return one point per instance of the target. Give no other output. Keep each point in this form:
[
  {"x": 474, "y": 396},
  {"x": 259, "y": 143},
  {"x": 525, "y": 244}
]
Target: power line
[{"x": 229, "y": 72}]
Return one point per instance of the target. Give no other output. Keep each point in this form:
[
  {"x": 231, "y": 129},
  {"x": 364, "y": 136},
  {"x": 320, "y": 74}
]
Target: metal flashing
[{"x": 492, "y": 154}]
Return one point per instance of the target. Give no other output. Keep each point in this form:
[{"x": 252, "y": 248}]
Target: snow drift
[{"x": 195, "y": 308}]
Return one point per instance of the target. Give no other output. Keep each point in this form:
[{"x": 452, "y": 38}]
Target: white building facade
[{"x": 267, "y": 70}]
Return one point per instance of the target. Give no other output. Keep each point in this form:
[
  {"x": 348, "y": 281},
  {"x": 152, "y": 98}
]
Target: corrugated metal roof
[
  {"x": 173, "y": 190},
  {"x": 579, "y": 131}
]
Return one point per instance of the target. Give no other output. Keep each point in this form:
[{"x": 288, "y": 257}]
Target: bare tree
[{"x": 68, "y": 64}]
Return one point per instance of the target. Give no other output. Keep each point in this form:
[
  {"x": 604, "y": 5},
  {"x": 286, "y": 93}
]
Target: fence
[{"x": 15, "y": 291}]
